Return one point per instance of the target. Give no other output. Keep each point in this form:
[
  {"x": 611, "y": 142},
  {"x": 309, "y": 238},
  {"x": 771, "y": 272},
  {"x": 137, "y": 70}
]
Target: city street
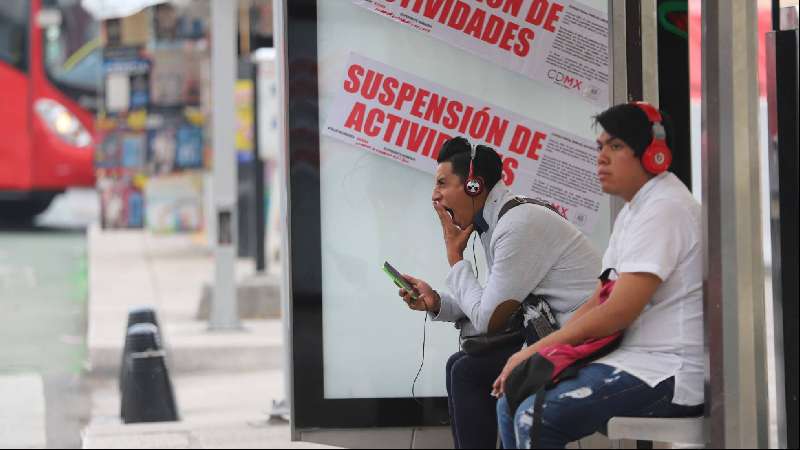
[
  {"x": 43, "y": 317},
  {"x": 197, "y": 198}
]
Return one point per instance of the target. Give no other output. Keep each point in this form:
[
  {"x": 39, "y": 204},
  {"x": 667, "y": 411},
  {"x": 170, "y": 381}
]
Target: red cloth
[{"x": 564, "y": 355}]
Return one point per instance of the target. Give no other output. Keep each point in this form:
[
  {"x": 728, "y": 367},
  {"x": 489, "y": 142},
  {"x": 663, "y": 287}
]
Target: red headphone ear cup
[
  {"x": 474, "y": 186},
  {"x": 657, "y": 157}
]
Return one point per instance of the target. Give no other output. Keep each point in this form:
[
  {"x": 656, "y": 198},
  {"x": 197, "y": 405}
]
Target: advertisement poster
[
  {"x": 562, "y": 44},
  {"x": 243, "y": 103},
  {"x": 388, "y": 112},
  {"x": 125, "y": 73},
  {"x": 174, "y": 203}
]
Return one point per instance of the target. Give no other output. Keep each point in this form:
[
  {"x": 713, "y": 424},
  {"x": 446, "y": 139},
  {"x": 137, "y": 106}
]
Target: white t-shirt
[
  {"x": 532, "y": 249},
  {"x": 660, "y": 232}
]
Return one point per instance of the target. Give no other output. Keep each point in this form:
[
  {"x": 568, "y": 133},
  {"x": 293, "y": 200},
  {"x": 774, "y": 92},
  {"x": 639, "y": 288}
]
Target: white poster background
[
  {"x": 561, "y": 43},
  {"x": 374, "y": 209},
  {"x": 405, "y": 118}
]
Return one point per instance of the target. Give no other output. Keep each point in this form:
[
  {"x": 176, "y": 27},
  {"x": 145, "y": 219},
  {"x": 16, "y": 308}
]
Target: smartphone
[{"x": 399, "y": 281}]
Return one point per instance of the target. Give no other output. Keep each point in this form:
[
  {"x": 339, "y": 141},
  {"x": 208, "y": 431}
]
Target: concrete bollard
[{"x": 147, "y": 395}]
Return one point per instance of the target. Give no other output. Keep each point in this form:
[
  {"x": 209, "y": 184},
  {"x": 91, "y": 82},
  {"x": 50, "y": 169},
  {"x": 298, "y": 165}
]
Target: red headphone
[
  {"x": 473, "y": 186},
  {"x": 657, "y": 156}
]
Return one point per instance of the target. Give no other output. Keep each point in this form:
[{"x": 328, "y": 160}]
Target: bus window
[
  {"x": 13, "y": 33},
  {"x": 72, "y": 53}
]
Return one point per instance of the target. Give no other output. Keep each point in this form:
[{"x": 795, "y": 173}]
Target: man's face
[
  {"x": 448, "y": 191},
  {"x": 619, "y": 170}
]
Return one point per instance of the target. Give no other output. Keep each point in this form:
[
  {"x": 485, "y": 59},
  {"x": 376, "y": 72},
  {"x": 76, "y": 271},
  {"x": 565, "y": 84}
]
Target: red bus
[{"x": 50, "y": 65}]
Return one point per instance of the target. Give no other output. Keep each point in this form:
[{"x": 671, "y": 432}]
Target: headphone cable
[
  {"x": 475, "y": 258},
  {"x": 474, "y": 237},
  {"x": 422, "y": 362}
]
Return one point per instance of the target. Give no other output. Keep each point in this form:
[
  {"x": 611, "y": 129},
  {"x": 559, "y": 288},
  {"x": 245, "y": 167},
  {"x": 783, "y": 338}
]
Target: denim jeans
[
  {"x": 580, "y": 406},
  {"x": 472, "y": 408}
]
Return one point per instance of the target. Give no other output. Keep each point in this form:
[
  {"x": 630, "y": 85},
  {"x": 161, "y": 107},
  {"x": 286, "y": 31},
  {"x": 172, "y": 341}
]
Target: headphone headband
[
  {"x": 473, "y": 185},
  {"x": 472, "y": 152},
  {"x": 653, "y": 115}
]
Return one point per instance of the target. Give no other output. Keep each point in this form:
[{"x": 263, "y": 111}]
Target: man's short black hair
[
  {"x": 488, "y": 163},
  {"x": 629, "y": 123}
]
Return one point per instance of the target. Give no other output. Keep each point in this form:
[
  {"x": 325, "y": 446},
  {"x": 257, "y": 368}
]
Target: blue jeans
[
  {"x": 580, "y": 406},
  {"x": 472, "y": 409}
]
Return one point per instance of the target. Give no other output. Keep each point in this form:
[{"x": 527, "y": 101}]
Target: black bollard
[
  {"x": 140, "y": 337},
  {"x": 142, "y": 314},
  {"x": 138, "y": 315},
  {"x": 147, "y": 395}
]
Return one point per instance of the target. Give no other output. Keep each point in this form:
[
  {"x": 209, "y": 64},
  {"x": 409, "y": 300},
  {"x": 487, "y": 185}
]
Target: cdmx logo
[{"x": 564, "y": 80}]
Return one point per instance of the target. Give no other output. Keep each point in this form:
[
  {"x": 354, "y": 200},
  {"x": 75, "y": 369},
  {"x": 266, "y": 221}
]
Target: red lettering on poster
[
  {"x": 544, "y": 13},
  {"x": 509, "y": 165},
  {"x": 562, "y": 210},
  {"x": 355, "y": 120},
  {"x": 372, "y": 129},
  {"x": 353, "y": 82},
  {"x": 397, "y": 100},
  {"x": 483, "y": 22},
  {"x": 526, "y": 142},
  {"x": 552, "y": 17},
  {"x": 536, "y": 144}
]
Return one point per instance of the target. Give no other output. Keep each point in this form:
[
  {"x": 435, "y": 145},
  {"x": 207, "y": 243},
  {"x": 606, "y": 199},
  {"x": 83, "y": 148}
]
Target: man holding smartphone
[{"x": 532, "y": 250}]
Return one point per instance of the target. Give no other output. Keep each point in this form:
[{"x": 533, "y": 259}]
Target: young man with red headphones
[
  {"x": 530, "y": 250},
  {"x": 656, "y": 249}
]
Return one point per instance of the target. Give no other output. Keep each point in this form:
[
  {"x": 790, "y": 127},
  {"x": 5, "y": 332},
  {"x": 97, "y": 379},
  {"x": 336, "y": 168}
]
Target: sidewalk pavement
[{"x": 224, "y": 382}]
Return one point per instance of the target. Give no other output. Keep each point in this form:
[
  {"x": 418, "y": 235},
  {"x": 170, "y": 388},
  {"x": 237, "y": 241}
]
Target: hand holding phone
[
  {"x": 399, "y": 280},
  {"x": 416, "y": 293}
]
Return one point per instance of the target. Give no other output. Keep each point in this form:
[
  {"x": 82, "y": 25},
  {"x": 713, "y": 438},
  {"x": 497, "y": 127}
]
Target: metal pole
[
  {"x": 618, "y": 45},
  {"x": 282, "y": 171},
  {"x": 650, "y": 52},
  {"x": 782, "y": 97},
  {"x": 633, "y": 52},
  {"x": 224, "y": 311},
  {"x": 633, "y": 42},
  {"x": 258, "y": 161},
  {"x": 776, "y": 15},
  {"x": 736, "y": 390}
]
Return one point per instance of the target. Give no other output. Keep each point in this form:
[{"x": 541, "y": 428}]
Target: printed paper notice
[
  {"x": 391, "y": 113},
  {"x": 563, "y": 44}
]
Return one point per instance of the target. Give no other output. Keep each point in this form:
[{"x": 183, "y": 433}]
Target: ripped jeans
[{"x": 580, "y": 406}]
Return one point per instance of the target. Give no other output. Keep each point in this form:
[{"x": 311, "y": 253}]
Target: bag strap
[
  {"x": 516, "y": 201},
  {"x": 606, "y": 275},
  {"x": 549, "y": 322}
]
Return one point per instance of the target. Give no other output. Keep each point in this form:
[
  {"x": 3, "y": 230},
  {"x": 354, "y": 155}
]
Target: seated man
[
  {"x": 656, "y": 247},
  {"x": 531, "y": 249}
]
